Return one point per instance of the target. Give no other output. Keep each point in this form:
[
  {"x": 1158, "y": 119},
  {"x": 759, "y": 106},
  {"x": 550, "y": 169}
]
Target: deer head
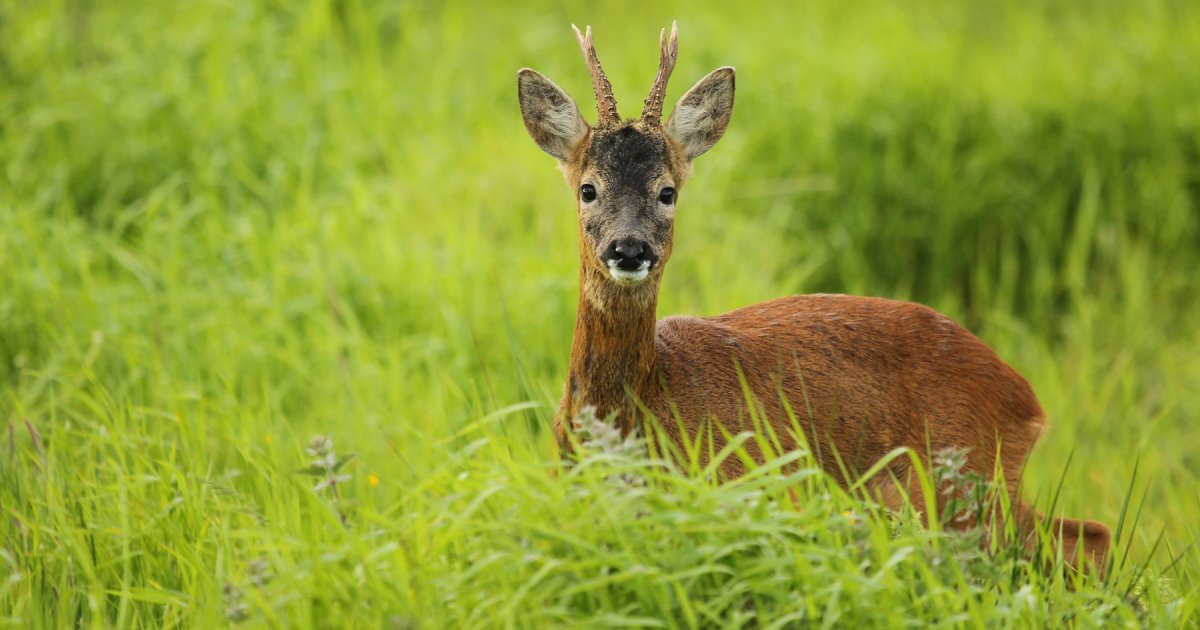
[{"x": 626, "y": 174}]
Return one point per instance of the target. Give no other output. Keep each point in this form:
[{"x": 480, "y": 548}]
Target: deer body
[{"x": 859, "y": 376}]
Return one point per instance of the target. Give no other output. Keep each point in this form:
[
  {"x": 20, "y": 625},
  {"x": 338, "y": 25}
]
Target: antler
[
  {"x": 667, "y": 52},
  {"x": 606, "y": 103}
]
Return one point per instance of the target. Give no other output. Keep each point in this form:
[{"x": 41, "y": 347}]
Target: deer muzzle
[{"x": 629, "y": 260}]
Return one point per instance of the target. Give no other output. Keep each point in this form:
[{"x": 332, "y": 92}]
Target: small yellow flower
[
  {"x": 373, "y": 479},
  {"x": 270, "y": 438}
]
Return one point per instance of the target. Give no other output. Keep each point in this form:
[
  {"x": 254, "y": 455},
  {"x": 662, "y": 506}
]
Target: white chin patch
[{"x": 629, "y": 277}]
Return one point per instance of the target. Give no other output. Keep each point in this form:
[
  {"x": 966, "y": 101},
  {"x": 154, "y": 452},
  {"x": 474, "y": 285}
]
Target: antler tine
[
  {"x": 667, "y": 53},
  {"x": 606, "y": 103}
]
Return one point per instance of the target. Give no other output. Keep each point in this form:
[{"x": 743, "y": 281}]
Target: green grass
[{"x": 226, "y": 227}]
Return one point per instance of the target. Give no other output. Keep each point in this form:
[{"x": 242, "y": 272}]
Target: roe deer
[{"x": 867, "y": 375}]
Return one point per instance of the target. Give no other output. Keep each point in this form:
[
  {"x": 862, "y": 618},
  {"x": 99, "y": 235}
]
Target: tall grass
[{"x": 227, "y": 227}]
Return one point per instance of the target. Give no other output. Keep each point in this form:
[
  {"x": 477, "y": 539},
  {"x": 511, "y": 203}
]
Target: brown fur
[{"x": 862, "y": 376}]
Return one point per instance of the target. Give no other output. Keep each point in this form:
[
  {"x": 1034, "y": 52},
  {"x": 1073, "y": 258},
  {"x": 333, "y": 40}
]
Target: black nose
[{"x": 630, "y": 254}]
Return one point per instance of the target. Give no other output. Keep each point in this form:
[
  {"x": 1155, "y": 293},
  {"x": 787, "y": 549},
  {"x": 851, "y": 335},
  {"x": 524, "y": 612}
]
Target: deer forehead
[{"x": 631, "y": 156}]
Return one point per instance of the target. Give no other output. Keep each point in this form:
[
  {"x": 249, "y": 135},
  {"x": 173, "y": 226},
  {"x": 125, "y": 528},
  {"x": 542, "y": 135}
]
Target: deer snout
[
  {"x": 629, "y": 254},
  {"x": 629, "y": 259}
]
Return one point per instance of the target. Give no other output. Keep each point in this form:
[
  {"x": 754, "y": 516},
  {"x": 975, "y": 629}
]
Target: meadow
[{"x": 227, "y": 228}]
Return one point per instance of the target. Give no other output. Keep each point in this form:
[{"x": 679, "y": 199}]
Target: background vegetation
[{"x": 228, "y": 226}]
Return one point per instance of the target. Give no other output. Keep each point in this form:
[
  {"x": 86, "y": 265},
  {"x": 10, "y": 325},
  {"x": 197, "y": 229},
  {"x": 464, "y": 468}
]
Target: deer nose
[{"x": 630, "y": 254}]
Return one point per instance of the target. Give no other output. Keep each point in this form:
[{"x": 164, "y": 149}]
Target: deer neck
[{"x": 612, "y": 355}]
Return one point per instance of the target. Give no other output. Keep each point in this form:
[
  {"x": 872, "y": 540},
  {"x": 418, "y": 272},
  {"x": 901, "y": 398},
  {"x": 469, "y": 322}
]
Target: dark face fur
[
  {"x": 626, "y": 176},
  {"x": 628, "y": 181}
]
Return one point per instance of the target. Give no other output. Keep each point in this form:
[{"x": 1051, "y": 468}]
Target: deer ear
[
  {"x": 551, "y": 117},
  {"x": 701, "y": 116}
]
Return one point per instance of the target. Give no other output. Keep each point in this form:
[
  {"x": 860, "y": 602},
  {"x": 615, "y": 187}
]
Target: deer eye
[
  {"x": 587, "y": 192},
  {"x": 667, "y": 196}
]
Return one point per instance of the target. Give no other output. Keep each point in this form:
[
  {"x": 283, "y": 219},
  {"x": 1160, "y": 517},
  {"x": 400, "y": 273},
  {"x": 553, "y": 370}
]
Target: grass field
[{"x": 227, "y": 227}]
